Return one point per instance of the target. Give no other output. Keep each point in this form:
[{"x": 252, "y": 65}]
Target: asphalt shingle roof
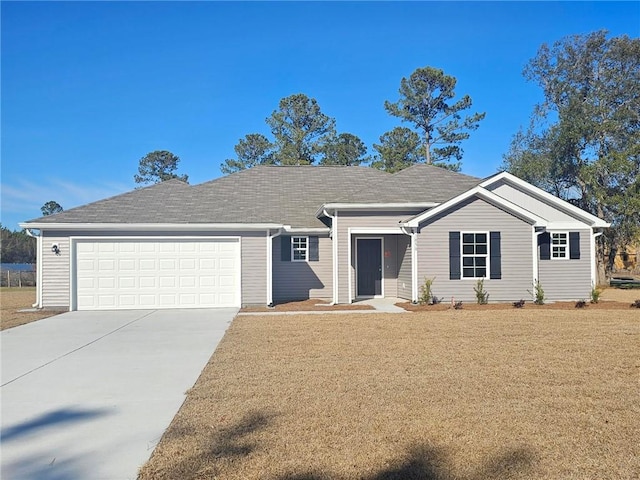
[{"x": 269, "y": 194}]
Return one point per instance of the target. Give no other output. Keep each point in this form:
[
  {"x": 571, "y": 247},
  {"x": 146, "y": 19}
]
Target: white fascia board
[
  {"x": 170, "y": 227},
  {"x": 485, "y": 195},
  {"x": 289, "y": 229},
  {"x": 560, "y": 204},
  {"x": 373, "y": 206}
]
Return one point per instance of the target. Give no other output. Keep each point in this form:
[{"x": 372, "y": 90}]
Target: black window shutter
[
  {"x": 454, "y": 255},
  {"x": 544, "y": 240},
  {"x": 314, "y": 253},
  {"x": 285, "y": 248},
  {"x": 574, "y": 245},
  {"x": 495, "y": 256}
]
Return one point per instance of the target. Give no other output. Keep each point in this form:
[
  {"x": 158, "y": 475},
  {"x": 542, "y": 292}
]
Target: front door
[{"x": 369, "y": 267}]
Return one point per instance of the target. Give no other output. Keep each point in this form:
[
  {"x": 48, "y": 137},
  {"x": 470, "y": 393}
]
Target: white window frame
[
  {"x": 294, "y": 248},
  {"x": 475, "y": 255},
  {"x": 565, "y": 245}
]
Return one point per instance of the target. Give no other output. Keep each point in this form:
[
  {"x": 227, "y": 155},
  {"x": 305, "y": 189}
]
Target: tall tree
[
  {"x": 426, "y": 101},
  {"x": 299, "y": 128},
  {"x": 398, "y": 149},
  {"x": 254, "y": 149},
  {"x": 158, "y": 166},
  {"x": 345, "y": 149},
  {"x": 584, "y": 139},
  {"x": 50, "y": 208},
  {"x": 16, "y": 247}
]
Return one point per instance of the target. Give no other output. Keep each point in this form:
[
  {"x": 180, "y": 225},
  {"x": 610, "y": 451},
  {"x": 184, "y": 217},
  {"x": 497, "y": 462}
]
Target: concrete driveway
[{"x": 89, "y": 394}]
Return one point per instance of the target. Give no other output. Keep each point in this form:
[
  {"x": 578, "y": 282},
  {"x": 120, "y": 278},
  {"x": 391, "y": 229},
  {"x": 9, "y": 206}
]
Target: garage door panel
[{"x": 151, "y": 273}]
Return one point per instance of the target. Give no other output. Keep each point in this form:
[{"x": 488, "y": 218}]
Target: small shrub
[
  {"x": 426, "y": 292},
  {"x": 538, "y": 293},
  {"x": 519, "y": 304},
  {"x": 435, "y": 300},
  {"x": 581, "y": 304},
  {"x": 482, "y": 297},
  {"x": 458, "y": 305},
  {"x": 595, "y": 294},
  {"x": 636, "y": 304}
]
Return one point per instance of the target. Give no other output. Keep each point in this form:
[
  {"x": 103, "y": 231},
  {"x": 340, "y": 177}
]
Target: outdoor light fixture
[{"x": 55, "y": 248}]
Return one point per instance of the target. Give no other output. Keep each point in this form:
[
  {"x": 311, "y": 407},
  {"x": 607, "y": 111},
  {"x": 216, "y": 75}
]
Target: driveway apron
[{"x": 89, "y": 394}]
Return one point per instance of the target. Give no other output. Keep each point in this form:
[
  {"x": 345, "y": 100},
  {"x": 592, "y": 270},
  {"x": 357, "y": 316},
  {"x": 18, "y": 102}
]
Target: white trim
[
  {"x": 303, "y": 230},
  {"x": 323, "y": 210},
  {"x": 334, "y": 247},
  {"x": 378, "y": 230},
  {"x": 594, "y": 266},
  {"x": 270, "y": 264},
  {"x": 381, "y": 266},
  {"x": 305, "y": 249},
  {"x": 349, "y": 269},
  {"x": 485, "y": 195},
  {"x": 592, "y": 220},
  {"x": 567, "y": 253},
  {"x": 414, "y": 265},
  {"x": 144, "y": 227},
  {"x": 73, "y": 240},
  {"x": 536, "y": 263},
  {"x": 487, "y": 255}
]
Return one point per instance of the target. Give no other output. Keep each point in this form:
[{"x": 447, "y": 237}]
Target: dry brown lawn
[
  {"x": 14, "y": 299},
  {"x": 458, "y": 394}
]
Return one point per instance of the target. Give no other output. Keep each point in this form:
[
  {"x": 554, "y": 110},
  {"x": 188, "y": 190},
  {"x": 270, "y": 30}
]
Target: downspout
[
  {"x": 334, "y": 250},
  {"x": 270, "y": 265},
  {"x": 535, "y": 263},
  {"x": 594, "y": 267},
  {"x": 38, "y": 238},
  {"x": 413, "y": 234}
]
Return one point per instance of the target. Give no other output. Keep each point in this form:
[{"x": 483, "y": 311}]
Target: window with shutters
[
  {"x": 299, "y": 249},
  {"x": 475, "y": 253},
  {"x": 559, "y": 245}
]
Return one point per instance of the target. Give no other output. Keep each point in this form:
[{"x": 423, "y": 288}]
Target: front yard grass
[
  {"x": 12, "y": 300},
  {"x": 428, "y": 395}
]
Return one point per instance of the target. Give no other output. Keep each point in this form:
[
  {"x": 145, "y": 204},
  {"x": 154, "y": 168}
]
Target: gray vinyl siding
[
  {"x": 56, "y": 274},
  {"x": 530, "y": 203},
  {"x": 352, "y": 220},
  {"x": 55, "y": 271},
  {"x": 476, "y": 215},
  {"x": 404, "y": 267},
  {"x": 303, "y": 280},
  {"x": 566, "y": 279}
]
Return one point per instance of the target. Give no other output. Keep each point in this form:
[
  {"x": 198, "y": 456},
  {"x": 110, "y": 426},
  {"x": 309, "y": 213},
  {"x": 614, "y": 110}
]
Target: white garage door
[{"x": 139, "y": 274}]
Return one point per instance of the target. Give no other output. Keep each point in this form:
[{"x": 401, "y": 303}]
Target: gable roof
[
  {"x": 278, "y": 195},
  {"x": 546, "y": 197}
]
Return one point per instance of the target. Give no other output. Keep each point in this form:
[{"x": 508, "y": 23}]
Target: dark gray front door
[{"x": 369, "y": 275}]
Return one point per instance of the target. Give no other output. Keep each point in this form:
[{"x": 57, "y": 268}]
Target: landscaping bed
[
  {"x": 311, "y": 305},
  {"x": 458, "y": 394}
]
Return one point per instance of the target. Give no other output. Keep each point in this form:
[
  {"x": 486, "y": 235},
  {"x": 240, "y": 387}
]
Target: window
[
  {"x": 474, "y": 255},
  {"x": 559, "y": 245},
  {"x": 299, "y": 249}
]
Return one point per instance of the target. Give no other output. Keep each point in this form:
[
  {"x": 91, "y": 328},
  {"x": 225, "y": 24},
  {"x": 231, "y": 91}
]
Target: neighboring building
[{"x": 271, "y": 234}]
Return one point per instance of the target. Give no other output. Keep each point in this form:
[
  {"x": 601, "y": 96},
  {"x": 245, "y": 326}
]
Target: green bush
[
  {"x": 426, "y": 292},
  {"x": 482, "y": 297},
  {"x": 595, "y": 294},
  {"x": 538, "y": 293}
]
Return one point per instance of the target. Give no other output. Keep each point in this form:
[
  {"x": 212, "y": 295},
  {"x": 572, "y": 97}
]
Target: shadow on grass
[
  {"x": 432, "y": 463},
  {"x": 228, "y": 444},
  {"x": 47, "y": 421}
]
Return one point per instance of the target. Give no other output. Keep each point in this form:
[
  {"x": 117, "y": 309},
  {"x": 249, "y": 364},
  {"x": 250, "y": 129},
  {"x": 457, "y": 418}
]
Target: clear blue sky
[{"x": 88, "y": 88}]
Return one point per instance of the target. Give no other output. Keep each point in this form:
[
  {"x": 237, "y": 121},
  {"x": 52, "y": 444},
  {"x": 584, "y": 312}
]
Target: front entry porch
[{"x": 380, "y": 266}]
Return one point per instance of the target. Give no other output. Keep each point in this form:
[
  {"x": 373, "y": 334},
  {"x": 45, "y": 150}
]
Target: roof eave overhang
[
  {"x": 332, "y": 207},
  {"x": 166, "y": 227}
]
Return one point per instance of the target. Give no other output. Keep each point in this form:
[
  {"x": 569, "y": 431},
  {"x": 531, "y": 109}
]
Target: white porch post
[{"x": 414, "y": 265}]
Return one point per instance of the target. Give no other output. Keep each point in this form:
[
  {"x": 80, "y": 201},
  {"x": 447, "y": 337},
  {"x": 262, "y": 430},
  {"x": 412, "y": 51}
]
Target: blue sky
[{"x": 88, "y": 88}]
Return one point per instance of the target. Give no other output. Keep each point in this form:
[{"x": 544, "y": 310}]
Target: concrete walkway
[
  {"x": 380, "y": 305},
  {"x": 89, "y": 394}
]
